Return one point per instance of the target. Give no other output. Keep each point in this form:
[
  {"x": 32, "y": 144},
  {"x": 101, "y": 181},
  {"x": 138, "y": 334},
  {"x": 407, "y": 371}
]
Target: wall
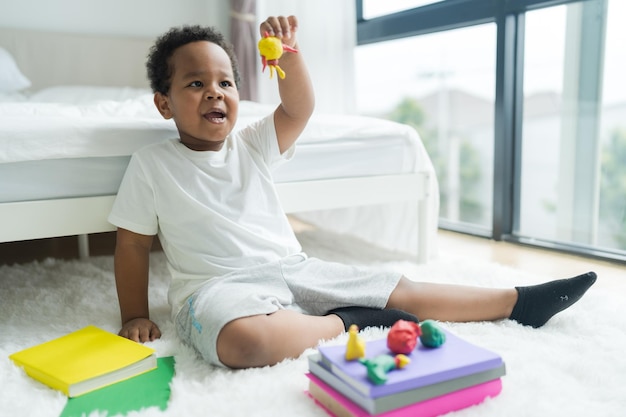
[
  {"x": 327, "y": 38},
  {"x": 327, "y": 34},
  {"x": 113, "y": 17}
]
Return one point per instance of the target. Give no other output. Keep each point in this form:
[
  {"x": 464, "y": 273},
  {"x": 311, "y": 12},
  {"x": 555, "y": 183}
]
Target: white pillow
[{"x": 11, "y": 78}]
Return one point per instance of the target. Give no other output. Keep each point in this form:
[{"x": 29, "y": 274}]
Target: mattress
[{"x": 58, "y": 149}]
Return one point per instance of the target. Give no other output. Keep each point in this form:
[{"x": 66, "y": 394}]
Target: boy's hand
[
  {"x": 140, "y": 330},
  {"x": 282, "y": 27}
]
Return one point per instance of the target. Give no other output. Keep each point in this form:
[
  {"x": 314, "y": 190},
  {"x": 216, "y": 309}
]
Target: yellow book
[{"x": 85, "y": 360}]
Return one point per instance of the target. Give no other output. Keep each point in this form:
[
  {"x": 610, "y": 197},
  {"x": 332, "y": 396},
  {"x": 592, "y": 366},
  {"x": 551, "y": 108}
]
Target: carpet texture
[{"x": 573, "y": 366}]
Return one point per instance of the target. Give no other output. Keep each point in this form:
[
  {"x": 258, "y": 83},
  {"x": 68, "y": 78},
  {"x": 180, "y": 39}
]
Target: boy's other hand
[
  {"x": 282, "y": 27},
  {"x": 140, "y": 330}
]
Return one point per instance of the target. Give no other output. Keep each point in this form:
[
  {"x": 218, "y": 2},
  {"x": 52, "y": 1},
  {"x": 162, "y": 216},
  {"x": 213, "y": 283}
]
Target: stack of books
[{"x": 455, "y": 375}]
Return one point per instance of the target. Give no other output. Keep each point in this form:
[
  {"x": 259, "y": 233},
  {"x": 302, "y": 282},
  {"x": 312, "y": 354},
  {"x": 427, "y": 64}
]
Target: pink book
[{"x": 339, "y": 406}]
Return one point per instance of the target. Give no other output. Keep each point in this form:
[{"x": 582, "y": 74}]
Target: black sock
[
  {"x": 536, "y": 304},
  {"x": 371, "y": 317}
]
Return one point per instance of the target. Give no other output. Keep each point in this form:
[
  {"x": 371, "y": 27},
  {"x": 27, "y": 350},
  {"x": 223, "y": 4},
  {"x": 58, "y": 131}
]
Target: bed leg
[{"x": 83, "y": 246}]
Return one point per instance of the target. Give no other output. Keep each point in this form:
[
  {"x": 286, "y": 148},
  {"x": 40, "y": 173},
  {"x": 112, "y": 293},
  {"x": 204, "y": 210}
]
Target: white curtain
[{"x": 327, "y": 37}]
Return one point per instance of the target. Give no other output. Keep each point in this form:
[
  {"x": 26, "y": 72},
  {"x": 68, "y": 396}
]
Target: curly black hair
[{"x": 158, "y": 65}]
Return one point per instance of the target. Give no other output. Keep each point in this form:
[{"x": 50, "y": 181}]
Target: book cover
[
  {"x": 339, "y": 406},
  {"x": 390, "y": 402},
  {"x": 150, "y": 389},
  {"x": 454, "y": 359},
  {"x": 85, "y": 360}
]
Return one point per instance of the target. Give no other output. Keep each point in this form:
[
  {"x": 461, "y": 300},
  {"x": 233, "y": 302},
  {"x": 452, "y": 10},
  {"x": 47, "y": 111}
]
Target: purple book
[{"x": 454, "y": 359}]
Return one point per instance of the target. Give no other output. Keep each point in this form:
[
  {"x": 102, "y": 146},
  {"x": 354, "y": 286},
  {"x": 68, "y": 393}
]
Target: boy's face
[{"x": 203, "y": 99}]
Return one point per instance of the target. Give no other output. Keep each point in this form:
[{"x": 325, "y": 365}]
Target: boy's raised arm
[
  {"x": 132, "y": 254},
  {"x": 296, "y": 91}
]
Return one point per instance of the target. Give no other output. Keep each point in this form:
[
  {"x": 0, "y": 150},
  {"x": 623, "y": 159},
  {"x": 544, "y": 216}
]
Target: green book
[{"x": 151, "y": 389}]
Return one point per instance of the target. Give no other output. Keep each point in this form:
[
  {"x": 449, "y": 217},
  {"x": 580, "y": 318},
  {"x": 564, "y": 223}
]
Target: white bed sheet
[
  {"x": 45, "y": 130},
  {"x": 31, "y": 131},
  {"x": 55, "y": 149}
]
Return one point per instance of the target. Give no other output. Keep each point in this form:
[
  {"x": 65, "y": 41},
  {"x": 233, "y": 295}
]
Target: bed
[{"x": 67, "y": 133}]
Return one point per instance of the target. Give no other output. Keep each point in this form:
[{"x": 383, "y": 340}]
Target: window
[{"x": 521, "y": 105}]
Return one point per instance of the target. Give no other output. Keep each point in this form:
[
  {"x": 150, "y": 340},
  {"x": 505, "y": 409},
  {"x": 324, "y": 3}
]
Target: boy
[{"x": 242, "y": 292}]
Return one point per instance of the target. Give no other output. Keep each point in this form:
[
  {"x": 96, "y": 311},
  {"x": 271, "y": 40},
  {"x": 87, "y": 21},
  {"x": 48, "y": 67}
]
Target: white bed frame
[
  {"x": 82, "y": 216},
  {"x": 49, "y": 59}
]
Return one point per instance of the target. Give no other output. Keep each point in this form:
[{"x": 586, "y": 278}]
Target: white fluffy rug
[{"x": 573, "y": 366}]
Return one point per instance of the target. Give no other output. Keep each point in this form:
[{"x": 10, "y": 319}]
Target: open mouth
[{"x": 215, "y": 116}]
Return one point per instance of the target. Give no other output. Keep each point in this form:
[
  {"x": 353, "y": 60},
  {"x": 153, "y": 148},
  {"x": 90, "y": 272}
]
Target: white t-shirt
[{"x": 214, "y": 212}]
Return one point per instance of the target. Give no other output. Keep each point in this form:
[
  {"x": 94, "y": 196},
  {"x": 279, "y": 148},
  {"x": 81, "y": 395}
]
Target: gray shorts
[{"x": 307, "y": 285}]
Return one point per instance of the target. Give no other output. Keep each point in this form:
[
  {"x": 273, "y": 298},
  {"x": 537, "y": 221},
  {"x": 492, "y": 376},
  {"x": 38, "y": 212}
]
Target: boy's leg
[
  {"x": 531, "y": 305},
  {"x": 457, "y": 303},
  {"x": 267, "y": 339}
]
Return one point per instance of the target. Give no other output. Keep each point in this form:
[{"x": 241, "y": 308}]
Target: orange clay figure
[{"x": 271, "y": 49}]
